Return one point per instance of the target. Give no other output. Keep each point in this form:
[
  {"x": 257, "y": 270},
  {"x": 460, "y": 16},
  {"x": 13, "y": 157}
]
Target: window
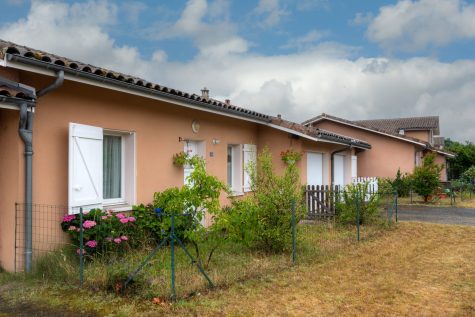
[
  {"x": 239, "y": 158},
  {"x": 418, "y": 158},
  {"x": 101, "y": 168},
  {"x": 112, "y": 168}
]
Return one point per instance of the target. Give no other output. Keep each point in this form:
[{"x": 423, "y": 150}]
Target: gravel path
[{"x": 446, "y": 215}]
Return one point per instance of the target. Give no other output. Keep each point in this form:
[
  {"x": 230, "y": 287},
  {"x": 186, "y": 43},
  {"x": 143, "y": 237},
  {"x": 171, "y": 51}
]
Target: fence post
[
  {"x": 173, "y": 255},
  {"x": 81, "y": 248},
  {"x": 293, "y": 232},
  {"x": 358, "y": 213},
  {"x": 395, "y": 202}
]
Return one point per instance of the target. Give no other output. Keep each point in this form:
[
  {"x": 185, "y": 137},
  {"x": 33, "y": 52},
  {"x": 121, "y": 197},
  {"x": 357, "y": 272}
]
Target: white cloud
[
  {"x": 216, "y": 38},
  {"x": 323, "y": 78},
  {"x": 414, "y": 25},
  {"x": 15, "y": 2},
  {"x": 133, "y": 10},
  {"x": 362, "y": 18},
  {"x": 76, "y": 31},
  {"x": 271, "y": 12},
  {"x": 307, "y": 40},
  {"x": 307, "y": 5}
]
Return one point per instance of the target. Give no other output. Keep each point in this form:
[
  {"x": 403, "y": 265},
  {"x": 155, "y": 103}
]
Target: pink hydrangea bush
[{"x": 103, "y": 231}]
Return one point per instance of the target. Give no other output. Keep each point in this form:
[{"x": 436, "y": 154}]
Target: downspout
[
  {"x": 58, "y": 82},
  {"x": 26, "y": 133},
  {"x": 332, "y": 168}
]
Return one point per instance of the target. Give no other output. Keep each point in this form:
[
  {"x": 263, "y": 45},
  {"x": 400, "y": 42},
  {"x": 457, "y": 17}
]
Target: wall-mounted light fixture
[
  {"x": 195, "y": 126},
  {"x": 216, "y": 141}
]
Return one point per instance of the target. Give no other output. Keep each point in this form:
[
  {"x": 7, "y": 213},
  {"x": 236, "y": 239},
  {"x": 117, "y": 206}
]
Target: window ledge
[
  {"x": 236, "y": 194},
  {"x": 118, "y": 207}
]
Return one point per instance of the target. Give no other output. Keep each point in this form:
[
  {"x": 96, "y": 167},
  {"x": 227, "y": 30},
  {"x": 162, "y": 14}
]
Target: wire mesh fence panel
[{"x": 47, "y": 235}]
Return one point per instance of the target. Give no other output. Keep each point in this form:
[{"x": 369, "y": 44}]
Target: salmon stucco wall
[
  {"x": 385, "y": 156},
  {"x": 441, "y": 160},
  {"x": 157, "y": 127},
  {"x": 423, "y": 135},
  {"x": 278, "y": 141},
  {"x": 11, "y": 183}
]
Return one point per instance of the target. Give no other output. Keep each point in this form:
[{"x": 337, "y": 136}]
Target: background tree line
[{"x": 464, "y": 159}]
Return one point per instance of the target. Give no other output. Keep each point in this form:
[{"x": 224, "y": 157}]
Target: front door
[{"x": 192, "y": 148}]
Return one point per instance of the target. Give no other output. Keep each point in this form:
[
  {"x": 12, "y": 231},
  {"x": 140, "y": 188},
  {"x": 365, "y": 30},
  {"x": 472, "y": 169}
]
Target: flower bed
[{"x": 103, "y": 231}]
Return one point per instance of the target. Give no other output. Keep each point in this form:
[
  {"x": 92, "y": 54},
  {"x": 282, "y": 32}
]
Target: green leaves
[
  {"x": 464, "y": 159},
  {"x": 426, "y": 177},
  {"x": 263, "y": 219},
  {"x": 356, "y": 196},
  {"x": 189, "y": 203}
]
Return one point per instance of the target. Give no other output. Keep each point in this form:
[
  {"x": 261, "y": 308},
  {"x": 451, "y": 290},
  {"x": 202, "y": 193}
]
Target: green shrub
[
  {"x": 469, "y": 175},
  {"x": 385, "y": 186},
  {"x": 353, "y": 197},
  {"x": 189, "y": 203},
  {"x": 263, "y": 219},
  {"x": 426, "y": 177},
  {"x": 239, "y": 221},
  {"x": 402, "y": 183}
]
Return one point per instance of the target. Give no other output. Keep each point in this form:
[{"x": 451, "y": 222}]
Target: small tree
[
  {"x": 263, "y": 220},
  {"x": 426, "y": 177},
  {"x": 190, "y": 204}
]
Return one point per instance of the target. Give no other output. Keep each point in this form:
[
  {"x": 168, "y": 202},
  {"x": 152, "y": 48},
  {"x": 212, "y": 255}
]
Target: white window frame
[
  {"x": 129, "y": 173},
  {"x": 128, "y": 169}
]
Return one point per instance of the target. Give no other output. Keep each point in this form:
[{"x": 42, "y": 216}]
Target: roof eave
[
  {"x": 320, "y": 118},
  {"x": 97, "y": 80}
]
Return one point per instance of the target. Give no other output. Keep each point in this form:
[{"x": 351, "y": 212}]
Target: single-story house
[
  {"x": 77, "y": 135},
  {"x": 395, "y": 143}
]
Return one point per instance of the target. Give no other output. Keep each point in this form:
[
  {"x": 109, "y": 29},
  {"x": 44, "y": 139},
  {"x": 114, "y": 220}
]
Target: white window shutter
[
  {"x": 85, "y": 167},
  {"x": 354, "y": 166},
  {"x": 249, "y": 155}
]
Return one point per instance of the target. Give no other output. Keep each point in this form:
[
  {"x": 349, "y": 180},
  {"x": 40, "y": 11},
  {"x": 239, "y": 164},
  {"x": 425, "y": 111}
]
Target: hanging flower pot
[
  {"x": 180, "y": 159},
  {"x": 290, "y": 156}
]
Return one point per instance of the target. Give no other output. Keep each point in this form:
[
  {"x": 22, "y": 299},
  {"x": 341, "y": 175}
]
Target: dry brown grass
[
  {"x": 416, "y": 270},
  {"x": 466, "y": 202}
]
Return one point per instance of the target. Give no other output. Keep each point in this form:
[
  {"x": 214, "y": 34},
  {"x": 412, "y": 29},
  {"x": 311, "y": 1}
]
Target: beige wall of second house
[{"x": 386, "y": 156}]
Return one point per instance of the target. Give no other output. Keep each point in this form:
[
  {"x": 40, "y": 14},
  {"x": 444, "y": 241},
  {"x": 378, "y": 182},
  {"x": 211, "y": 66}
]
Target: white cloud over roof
[
  {"x": 298, "y": 85},
  {"x": 413, "y": 25}
]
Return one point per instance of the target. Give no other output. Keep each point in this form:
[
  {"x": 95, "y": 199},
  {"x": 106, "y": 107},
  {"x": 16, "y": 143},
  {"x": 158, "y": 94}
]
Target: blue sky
[{"x": 353, "y": 59}]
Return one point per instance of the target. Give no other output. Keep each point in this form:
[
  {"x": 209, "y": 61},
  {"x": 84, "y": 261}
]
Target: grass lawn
[{"x": 411, "y": 269}]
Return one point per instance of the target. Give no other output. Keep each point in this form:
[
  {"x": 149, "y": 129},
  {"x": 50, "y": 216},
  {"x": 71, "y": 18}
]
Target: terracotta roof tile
[
  {"x": 410, "y": 123},
  {"x": 62, "y": 62},
  {"x": 319, "y": 133}
]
